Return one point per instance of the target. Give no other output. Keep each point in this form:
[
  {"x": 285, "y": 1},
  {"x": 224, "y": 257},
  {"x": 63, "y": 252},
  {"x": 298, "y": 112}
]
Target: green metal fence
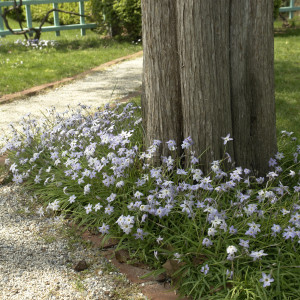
[
  {"x": 56, "y": 27},
  {"x": 290, "y": 9}
]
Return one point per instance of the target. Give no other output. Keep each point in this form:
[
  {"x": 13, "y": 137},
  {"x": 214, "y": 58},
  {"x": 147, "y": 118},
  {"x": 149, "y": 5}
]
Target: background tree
[{"x": 223, "y": 57}]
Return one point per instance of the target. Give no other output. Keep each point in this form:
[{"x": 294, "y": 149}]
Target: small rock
[
  {"x": 80, "y": 266},
  {"x": 122, "y": 256}
]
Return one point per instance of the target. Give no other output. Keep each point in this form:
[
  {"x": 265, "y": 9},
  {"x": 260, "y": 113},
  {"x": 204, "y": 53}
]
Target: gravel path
[
  {"x": 95, "y": 89},
  {"x": 37, "y": 258}
]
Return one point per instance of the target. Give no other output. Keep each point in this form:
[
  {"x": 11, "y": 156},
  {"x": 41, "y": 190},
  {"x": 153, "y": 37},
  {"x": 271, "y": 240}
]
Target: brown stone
[
  {"x": 122, "y": 256},
  {"x": 98, "y": 240},
  {"x": 172, "y": 266},
  {"x": 199, "y": 259},
  {"x": 80, "y": 266},
  {"x": 2, "y": 160},
  {"x": 160, "y": 292},
  {"x": 132, "y": 272}
]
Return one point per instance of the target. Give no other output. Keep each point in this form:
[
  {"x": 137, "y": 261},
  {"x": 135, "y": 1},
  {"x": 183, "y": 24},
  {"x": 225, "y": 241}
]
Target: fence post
[
  {"x": 28, "y": 17},
  {"x": 56, "y": 18},
  {"x": 1, "y": 24},
  {"x": 291, "y": 13},
  {"x": 82, "y": 20}
]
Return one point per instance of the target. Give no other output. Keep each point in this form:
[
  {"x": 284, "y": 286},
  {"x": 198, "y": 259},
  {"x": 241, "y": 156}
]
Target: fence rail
[
  {"x": 56, "y": 27},
  {"x": 290, "y": 9}
]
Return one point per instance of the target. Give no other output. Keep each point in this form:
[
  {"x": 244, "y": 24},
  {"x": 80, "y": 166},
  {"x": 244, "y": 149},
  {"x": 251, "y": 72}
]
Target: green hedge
[
  {"x": 118, "y": 17},
  {"x": 277, "y": 4},
  {"x": 39, "y": 11}
]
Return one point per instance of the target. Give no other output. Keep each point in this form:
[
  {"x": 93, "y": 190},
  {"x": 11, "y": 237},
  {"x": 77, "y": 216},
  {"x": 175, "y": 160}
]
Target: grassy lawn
[
  {"x": 287, "y": 79},
  {"x": 22, "y": 67}
]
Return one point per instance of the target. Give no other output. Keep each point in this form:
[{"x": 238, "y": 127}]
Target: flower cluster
[
  {"x": 94, "y": 167},
  {"x": 36, "y": 44}
]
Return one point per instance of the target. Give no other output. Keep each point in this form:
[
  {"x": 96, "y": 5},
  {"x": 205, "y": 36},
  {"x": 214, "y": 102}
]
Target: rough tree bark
[
  {"x": 161, "y": 100},
  {"x": 203, "y": 39},
  {"x": 252, "y": 83},
  {"x": 225, "y": 62}
]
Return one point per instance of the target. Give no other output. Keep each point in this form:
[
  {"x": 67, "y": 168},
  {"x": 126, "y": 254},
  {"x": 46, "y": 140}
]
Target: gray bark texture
[
  {"x": 203, "y": 41},
  {"x": 252, "y": 83},
  {"x": 208, "y": 71},
  {"x": 161, "y": 99}
]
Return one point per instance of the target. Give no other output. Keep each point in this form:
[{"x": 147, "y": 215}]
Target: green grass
[
  {"x": 287, "y": 77},
  {"x": 73, "y": 55}
]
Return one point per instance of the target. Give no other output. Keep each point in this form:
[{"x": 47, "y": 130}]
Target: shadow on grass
[
  {"x": 66, "y": 45},
  {"x": 287, "y": 78},
  {"x": 286, "y": 32}
]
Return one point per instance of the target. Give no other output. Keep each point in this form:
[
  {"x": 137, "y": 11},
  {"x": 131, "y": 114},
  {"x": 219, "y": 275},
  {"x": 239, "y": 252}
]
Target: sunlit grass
[
  {"x": 287, "y": 80},
  {"x": 22, "y": 67}
]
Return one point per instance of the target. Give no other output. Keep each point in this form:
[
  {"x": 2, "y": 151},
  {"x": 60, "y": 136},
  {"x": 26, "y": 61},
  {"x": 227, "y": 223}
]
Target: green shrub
[
  {"x": 117, "y": 17},
  {"x": 277, "y": 4},
  {"x": 129, "y": 12},
  {"x": 106, "y": 17},
  {"x": 17, "y": 14},
  {"x": 14, "y": 14}
]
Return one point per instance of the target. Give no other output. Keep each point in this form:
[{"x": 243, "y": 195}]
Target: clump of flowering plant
[
  {"x": 36, "y": 44},
  {"x": 226, "y": 229}
]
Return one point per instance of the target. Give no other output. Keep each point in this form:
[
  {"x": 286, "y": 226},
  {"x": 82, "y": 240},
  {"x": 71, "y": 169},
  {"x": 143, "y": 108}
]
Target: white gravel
[
  {"x": 95, "y": 89},
  {"x": 36, "y": 261}
]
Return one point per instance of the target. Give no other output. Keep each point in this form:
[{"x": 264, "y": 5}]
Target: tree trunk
[
  {"x": 252, "y": 83},
  {"x": 203, "y": 40},
  {"x": 224, "y": 54},
  {"x": 161, "y": 100}
]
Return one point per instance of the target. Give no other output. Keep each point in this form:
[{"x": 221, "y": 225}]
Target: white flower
[
  {"x": 211, "y": 231},
  {"x": 207, "y": 242},
  {"x": 231, "y": 249},
  {"x": 72, "y": 199},
  {"x": 292, "y": 173},
  {"x": 227, "y": 138},
  {"x": 272, "y": 175},
  {"x": 159, "y": 239},
  {"x": 257, "y": 254},
  {"x": 266, "y": 279},
  {"x": 120, "y": 184},
  {"x": 138, "y": 194},
  {"x": 40, "y": 211},
  {"x": 97, "y": 207},
  {"x": 205, "y": 269},
  {"x": 104, "y": 228},
  {"x": 53, "y": 205},
  {"x": 88, "y": 208},
  {"x": 229, "y": 274},
  {"x": 177, "y": 256}
]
